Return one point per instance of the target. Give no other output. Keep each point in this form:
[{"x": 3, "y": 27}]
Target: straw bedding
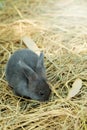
[{"x": 59, "y": 28}]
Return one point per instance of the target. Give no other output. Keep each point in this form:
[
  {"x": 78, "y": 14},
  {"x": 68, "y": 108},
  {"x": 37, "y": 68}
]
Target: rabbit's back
[
  {"x": 27, "y": 56},
  {"x": 13, "y": 70}
]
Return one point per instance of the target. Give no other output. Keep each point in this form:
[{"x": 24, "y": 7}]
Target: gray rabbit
[{"x": 25, "y": 73}]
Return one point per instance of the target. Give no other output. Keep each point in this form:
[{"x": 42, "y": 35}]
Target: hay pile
[{"x": 59, "y": 28}]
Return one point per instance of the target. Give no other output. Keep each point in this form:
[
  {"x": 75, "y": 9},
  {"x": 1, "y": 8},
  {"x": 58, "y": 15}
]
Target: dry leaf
[
  {"x": 31, "y": 44},
  {"x": 75, "y": 88}
]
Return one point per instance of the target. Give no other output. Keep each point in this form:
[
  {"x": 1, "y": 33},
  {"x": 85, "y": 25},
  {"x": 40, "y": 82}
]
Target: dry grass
[{"x": 59, "y": 28}]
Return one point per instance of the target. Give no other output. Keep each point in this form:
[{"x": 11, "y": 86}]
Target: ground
[{"x": 59, "y": 28}]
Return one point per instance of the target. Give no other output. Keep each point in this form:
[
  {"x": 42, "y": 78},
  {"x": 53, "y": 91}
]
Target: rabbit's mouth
[{"x": 41, "y": 99}]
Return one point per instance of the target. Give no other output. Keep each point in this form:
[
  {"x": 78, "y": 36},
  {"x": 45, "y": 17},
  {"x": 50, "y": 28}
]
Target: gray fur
[{"x": 25, "y": 73}]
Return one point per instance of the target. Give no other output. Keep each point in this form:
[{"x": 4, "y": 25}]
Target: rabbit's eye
[{"x": 41, "y": 93}]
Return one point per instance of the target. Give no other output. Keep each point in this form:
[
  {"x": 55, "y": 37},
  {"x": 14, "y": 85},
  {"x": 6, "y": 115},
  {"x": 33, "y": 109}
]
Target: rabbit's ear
[
  {"x": 40, "y": 69},
  {"x": 28, "y": 71}
]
